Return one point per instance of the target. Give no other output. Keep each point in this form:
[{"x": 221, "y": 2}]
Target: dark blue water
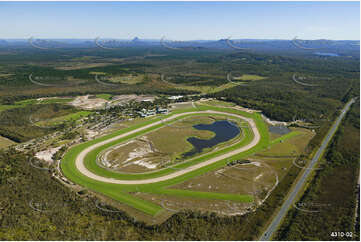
[
  {"x": 224, "y": 131},
  {"x": 326, "y": 54}
]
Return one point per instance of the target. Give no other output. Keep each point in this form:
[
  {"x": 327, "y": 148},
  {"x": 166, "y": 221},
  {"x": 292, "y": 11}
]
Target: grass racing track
[{"x": 120, "y": 192}]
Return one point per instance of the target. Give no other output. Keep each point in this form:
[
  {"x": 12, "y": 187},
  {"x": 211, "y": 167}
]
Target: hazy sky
[{"x": 180, "y": 20}]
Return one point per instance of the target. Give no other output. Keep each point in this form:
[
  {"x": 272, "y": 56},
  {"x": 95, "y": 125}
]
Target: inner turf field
[{"x": 163, "y": 147}]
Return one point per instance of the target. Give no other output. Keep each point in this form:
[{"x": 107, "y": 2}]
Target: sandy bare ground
[
  {"x": 46, "y": 155},
  {"x": 132, "y": 97},
  {"x": 79, "y": 163},
  {"x": 273, "y": 122},
  {"x": 85, "y": 102}
]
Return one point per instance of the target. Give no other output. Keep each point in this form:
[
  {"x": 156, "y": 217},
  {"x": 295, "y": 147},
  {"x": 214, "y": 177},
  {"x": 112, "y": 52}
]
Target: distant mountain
[
  {"x": 3, "y": 42},
  {"x": 321, "y": 45}
]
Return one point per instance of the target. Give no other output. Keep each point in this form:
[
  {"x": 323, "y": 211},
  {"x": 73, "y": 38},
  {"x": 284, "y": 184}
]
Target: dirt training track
[{"x": 79, "y": 162}]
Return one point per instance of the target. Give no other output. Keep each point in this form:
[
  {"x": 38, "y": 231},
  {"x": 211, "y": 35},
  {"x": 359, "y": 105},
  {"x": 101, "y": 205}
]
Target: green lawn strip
[
  {"x": 75, "y": 116},
  {"x": 140, "y": 204},
  {"x": 285, "y": 137},
  {"x": 56, "y": 100},
  {"x": 91, "y": 165},
  {"x": 206, "y": 195},
  {"x": 26, "y": 102},
  {"x": 104, "y": 96}
]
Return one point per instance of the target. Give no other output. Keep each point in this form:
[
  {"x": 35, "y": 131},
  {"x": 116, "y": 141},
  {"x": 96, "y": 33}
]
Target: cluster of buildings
[
  {"x": 175, "y": 97},
  {"x": 146, "y": 113}
]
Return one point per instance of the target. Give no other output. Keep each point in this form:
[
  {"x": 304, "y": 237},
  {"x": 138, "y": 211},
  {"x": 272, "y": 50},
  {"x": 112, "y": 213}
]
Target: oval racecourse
[{"x": 79, "y": 163}]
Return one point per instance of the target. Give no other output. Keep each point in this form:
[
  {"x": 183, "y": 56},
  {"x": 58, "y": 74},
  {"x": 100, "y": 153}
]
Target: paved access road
[
  {"x": 79, "y": 162},
  {"x": 291, "y": 199}
]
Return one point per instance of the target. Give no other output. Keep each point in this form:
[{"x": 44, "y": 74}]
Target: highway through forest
[{"x": 291, "y": 199}]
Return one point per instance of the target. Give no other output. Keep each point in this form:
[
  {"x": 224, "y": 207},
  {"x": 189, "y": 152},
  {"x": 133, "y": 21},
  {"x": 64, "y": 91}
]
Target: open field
[
  {"x": 104, "y": 96},
  {"x": 79, "y": 65},
  {"x": 236, "y": 179},
  {"x": 184, "y": 105},
  {"x": 174, "y": 204},
  {"x": 282, "y": 155},
  {"x": 4, "y": 142},
  {"x": 247, "y": 77},
  {"x": 61, "y": 119},
  {"x": 198, "y": 86},
  {"x": 203, "y": 89},
  {"x": 129, "y": 79},
  {"x": 219, "y": 103}
]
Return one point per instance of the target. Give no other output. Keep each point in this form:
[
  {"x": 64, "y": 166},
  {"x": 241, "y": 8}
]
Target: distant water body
[{"x": 325, "y": 54}]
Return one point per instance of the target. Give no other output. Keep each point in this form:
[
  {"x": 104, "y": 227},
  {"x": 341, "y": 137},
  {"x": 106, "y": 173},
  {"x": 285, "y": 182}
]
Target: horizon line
[{"x": 114, "y": 38}]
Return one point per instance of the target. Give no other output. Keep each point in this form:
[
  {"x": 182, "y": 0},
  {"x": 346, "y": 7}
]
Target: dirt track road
[{"x": 80, "y": 158}]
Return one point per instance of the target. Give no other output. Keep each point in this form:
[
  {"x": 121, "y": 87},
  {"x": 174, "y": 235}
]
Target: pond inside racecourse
[{"x": 224, "y": 131}]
